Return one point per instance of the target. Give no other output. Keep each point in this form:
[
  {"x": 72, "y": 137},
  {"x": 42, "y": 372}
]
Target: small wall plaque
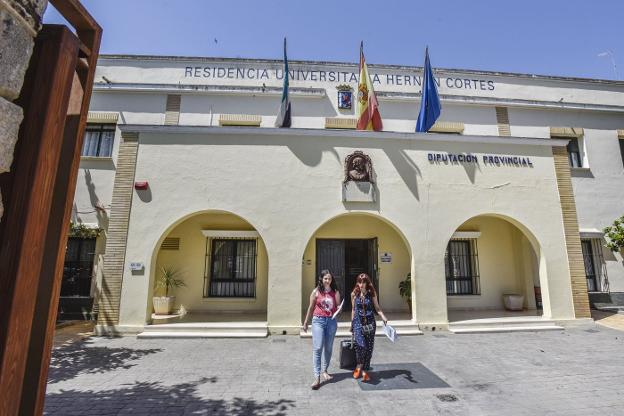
[{"x": 136, "y": 266}]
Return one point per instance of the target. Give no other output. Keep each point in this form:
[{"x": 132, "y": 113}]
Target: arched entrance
[
  {"x": 223, "y": 262},
  {"x": 356, "y": 243},
  {"x": 493, "y": 270}
]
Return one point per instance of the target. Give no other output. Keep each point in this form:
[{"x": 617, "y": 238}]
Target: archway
[
  {"x": 493, "y": 268},
  {"x": 224, "y": 264},
  {"x": 355, "y": 243}
]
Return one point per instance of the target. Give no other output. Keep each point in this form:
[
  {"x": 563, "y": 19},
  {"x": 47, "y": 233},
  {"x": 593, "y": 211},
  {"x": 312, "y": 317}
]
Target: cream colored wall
[
  {"x": 288, "y": 185},
  {"x": 190, "y": 262},
  {"x": 363, "y": 226},
  {"x": 502, "y": 261}
]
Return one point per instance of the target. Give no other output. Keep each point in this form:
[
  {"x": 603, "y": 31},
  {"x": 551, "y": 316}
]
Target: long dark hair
[
  {"x": 319, "y": 281},
  {"x": 363, "y": 277}
]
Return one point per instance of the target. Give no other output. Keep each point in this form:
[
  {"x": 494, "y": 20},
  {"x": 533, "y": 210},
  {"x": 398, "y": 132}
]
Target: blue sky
[{"x": 547, "y": 37}]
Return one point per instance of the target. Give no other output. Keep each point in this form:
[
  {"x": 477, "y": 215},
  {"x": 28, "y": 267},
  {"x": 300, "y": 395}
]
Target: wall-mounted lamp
[{"x": 141, "y": 186}]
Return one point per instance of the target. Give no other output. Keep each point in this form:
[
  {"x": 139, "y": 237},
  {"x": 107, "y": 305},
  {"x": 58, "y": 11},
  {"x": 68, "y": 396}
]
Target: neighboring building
[{"x": 182, "y": 168}]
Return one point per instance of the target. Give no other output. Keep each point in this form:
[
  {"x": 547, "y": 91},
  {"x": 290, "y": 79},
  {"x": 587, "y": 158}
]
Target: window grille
[
  {"x": 461, "y": 262},
  {"x": 595, "y": 265},
  {"x": 98, "y": 140},
  {"x": 574, "y": 153},
  {"x": 78, "y": 267},
  {"x": 230, "y": 268}
]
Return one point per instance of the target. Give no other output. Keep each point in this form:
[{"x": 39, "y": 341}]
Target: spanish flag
[{"x": 368, "y": 107}]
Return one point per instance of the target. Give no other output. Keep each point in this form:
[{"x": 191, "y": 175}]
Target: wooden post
[
  {"x": 45, "y": 98},
  {"x": 41, "y": 186}
]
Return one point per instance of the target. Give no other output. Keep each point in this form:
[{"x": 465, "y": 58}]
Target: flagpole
[{"x": 361, "y": 53}]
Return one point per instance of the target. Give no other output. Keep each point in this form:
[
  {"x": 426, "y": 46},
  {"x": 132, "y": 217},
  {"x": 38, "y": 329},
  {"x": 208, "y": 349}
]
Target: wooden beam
[
  {"x": 45, "y": 99},
  {"x": 42, "y": 336},
  {"x": 75, "y": 13}
]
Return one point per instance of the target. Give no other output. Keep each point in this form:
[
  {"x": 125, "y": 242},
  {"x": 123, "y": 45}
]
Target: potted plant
[
  {"x": 168, "y": 279},
  {"x": 405, "y": 289}
]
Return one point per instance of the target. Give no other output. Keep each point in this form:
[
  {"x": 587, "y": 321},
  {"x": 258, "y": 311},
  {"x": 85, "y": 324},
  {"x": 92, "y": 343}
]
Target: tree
[{"x": 614, "y": 235}]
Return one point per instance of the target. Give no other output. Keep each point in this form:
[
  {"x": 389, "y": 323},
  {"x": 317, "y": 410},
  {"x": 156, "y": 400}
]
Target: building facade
[{"x": 183, "y": 169}]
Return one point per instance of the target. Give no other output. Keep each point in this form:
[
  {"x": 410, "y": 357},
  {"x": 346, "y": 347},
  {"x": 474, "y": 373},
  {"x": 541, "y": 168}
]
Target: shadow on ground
[
  {"x": 157, "y": 399},
  {"x": 69, "y": 360}
]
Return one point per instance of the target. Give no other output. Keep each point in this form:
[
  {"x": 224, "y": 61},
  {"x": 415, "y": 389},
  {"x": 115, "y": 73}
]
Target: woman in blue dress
[{"x": 363, "y": 326}]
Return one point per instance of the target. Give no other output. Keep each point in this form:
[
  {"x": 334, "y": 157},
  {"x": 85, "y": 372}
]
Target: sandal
[
  {"x": 365, "y": 376},
  {"x": 356, "y": 373},
  {"x": 316, "y": 384}
]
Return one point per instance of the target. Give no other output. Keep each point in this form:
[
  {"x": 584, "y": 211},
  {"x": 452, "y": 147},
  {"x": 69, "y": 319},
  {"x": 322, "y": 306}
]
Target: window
[
  {"x": 595, "y": 268},
  {"x": 98, "y": 140},
  {"x": 461, "y": 263},
  {"x": 78, "y": 267},
  {"x": 231, "y": 268},
  {"x": 622, "y": 149},
  {"x": 574, "y": 153}
]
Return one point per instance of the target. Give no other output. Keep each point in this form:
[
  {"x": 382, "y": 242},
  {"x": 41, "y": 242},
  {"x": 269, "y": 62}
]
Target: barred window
[
  {"x": 461, "y": 262},
  {"x": 574, "y": 153},
  {"x": 78, "y": 267},
  {"x": 230, "y": 268},
  {"x": 98, "y": 140},
  {"x": 595, "y": 267}
]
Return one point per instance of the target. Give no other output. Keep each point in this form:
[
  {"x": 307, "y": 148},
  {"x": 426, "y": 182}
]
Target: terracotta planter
[{"x": 163, "y": 305}]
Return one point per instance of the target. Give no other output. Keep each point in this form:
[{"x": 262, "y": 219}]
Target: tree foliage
[{"x": 614, "y": 235}]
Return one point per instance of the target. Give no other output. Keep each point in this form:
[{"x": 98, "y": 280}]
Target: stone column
[
  {"x": 20, "y": 20},
  {"x": 115, "y": 254},
  {"x": 571, "y": 228}
]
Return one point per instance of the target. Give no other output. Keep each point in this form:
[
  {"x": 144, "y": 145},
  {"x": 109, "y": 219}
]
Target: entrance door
[
  {"x": 330, "y": 255},
  {"x": 372, "y": 265},
  {"x": 346, "y": 259},
  {"x": 356, "y": 262}
]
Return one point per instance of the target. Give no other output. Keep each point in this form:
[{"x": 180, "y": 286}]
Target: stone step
[
  {"x": 206, "y": 330},
  {"x": 403, "y": 328},
  {"x": 507, "y": 321},
  {"x": 201, "y": 334},
  {"x": 500, "y": 329},
  {"x": 609, "y": 307},
  {"x": 504, "y": 324}
]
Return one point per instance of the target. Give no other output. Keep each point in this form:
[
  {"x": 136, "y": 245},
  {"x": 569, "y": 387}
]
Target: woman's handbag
[
  {"x": 366, "y": 327},
  {"x": 347, "y": 354}
]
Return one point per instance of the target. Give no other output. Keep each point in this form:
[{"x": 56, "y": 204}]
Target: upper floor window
[
  {"x": 574, "y": 153},
  {"x": 98, "y": 140}
]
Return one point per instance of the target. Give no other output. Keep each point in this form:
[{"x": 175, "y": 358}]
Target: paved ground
[
  {"x": 572, "y": 372},
  {"x": 609, "y": 319}
]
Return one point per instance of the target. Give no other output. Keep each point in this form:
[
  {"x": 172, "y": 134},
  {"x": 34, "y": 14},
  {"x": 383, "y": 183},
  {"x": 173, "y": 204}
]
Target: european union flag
[{"x": 430, "y": 107}]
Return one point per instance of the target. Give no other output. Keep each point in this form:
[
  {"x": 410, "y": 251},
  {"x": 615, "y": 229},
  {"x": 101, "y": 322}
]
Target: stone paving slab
[
  {"x": 571, "y": 372},
  {"x": 614, "y": 320},
  {"x": 402, "y": 376}
]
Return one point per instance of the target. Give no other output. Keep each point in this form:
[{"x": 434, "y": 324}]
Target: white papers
[
  {"x": 390, "y": 332},
  {"x": 338, "y": 310}
]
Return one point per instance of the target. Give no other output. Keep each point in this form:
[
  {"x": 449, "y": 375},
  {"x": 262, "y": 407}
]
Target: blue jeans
[{"x": 323, "y": 333}]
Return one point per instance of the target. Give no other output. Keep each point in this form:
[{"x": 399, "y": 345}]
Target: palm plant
[
  {"x": 169, "y": 279},
  {"x": 405, "y": 289}
]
